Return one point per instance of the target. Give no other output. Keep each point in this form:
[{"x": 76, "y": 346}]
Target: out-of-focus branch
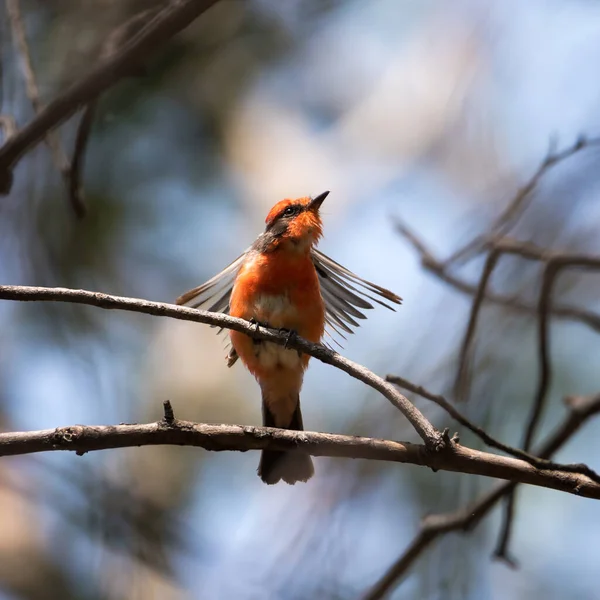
[
  {"x": 82, "y": 439},
  {"x": 173, "y": 18},
  {"x": 432, "y": 438},
  {"x": 462, "y": 382},
  {"x": 113, "y": 44},
  {"x": 438, "y": 268},
  {"x": 13, "y": 9},
  {"x": 52, "y": 139},
  {"x": 536, "y": 461},
  {"x": 434, "y": 526},
  {"x": 553, "y": 268},
  {"x": 505, "y": 221}
]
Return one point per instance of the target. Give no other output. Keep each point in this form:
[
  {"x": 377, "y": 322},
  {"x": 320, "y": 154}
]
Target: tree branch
[
  {"x": 176, "y": 16},
  {"x": 553, "y": 268},
  {"x": 88, "y": 438},
  {"x": 432, "y": 527},
  {"x": 432, "y": 438},
  {"x": 537, "y": 462},
  {"x": 519, "y": 203},
  {"x": 439, "y": 269}
]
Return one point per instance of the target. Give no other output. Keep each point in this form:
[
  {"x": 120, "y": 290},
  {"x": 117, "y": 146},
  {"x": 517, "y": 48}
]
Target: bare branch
[
  {"x": 434, "y": 526},
  {"x": 438, "y": 268},
  {"x": 33, "y": 93},
  {"x": 57, "y": 153},
  {"x": 539, "y": 463},
  {"x": 461, "y": 385},
  {"x": 176, "y": 16},
  {"x": 519, "y": 203},
  {"x": 553, "y": 267},
  {"x": 88, "y": 438},
  {"x": 113, "y": 44},
  {"x": 422, "y": 426}
]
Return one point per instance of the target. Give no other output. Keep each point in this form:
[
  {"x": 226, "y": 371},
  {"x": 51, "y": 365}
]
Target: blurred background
[{"x": 431, "y": 111}]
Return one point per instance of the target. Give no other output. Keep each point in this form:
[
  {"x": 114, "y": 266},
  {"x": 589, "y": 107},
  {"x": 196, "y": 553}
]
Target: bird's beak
[{"x": 315, "y": 203}]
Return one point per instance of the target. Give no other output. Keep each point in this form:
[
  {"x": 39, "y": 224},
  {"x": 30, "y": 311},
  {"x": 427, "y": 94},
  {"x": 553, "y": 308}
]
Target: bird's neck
[{"x": 289, "y": 247}]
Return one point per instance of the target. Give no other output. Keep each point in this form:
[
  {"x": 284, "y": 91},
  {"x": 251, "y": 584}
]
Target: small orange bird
[{"x": 282, "y": 281}]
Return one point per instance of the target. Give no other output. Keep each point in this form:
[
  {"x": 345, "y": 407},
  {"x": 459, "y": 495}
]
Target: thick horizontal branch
[
  {"x": 422, "y": 426},
  {"x": 82, "y": 439}
]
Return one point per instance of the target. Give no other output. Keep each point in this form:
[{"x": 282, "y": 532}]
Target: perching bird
[{"x": 282, "y": 281}]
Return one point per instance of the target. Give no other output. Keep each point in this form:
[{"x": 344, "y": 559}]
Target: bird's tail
[{"x": 290, "y": 466}]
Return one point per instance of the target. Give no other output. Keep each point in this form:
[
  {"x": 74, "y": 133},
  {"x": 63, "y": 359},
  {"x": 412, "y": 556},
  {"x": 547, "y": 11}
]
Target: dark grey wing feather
[
  {"x": 214, "y": 295},
  {"x": 346, "y": 294},
  {"x": 218, "y": 286}
]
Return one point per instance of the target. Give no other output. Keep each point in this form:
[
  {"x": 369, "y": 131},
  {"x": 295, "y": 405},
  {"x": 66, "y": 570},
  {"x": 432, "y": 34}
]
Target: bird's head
[{"x": 296, "y": 221}]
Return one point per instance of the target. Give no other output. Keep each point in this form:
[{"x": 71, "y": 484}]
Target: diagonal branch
[
  {"x": 537, "y": 462},
  {"x": 176, "y": 16},
  {"x": 519, "y": 203},
  {"x": 13, "y": 9},
  {"x": 88, "y": 438},
  {"x": 432, "y": 527},
  {"x": 113, "y": 44},
  {"x": 438, "y": 268},
  {"x": 422, "y": 426},
  {"x": 461, "y": 385},
  {"x": 57, "y": 153}
]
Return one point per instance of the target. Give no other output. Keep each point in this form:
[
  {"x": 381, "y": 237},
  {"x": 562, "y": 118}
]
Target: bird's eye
[{"x": 290, "y": 211}]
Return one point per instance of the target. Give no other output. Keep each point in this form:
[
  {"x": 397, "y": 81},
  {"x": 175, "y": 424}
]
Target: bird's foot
[
  {"x": 257, "y": 324},
  {"x": 291, "y": 335}
]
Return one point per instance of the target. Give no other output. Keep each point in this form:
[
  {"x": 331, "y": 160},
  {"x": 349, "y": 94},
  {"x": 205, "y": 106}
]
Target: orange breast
[
  {"x": 279, "y": 290},
  {"x": 282, "y": 291}
]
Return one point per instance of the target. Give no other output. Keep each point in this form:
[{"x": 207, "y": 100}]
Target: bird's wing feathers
[
  {"x": 345, "y": 294},
  {"x": 214, "y": 296},
  {"x": 217, "y": 289}
]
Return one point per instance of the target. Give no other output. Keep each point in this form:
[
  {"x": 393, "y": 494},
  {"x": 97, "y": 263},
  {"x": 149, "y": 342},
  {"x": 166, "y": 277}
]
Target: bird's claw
[
  {"x": 256, "y": 324},
  {"x": 291, "y": 335}
]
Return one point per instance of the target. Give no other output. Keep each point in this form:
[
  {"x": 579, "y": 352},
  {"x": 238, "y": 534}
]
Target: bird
[{"x": 283, "y": 282}]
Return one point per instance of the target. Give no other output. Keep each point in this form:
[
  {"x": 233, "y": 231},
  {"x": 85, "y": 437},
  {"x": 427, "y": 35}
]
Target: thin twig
[
  {"x": 57, "y": 153},
  {"x": 115, "y": 41},
  {"x": 437, "y": 268},
  {"x": 84, "y": 129},
  {"x": 461, "y": 385},
  {"x": 423, "y": 427},
  {"x": 519, "y": 203},
  {"x": 536, "y": 461},
  {"x": 504, "y": 246},
  {"x": 552, "y": 269},
  {"x": 434, "y": 526},
  {"x": 176, "y": 16}
]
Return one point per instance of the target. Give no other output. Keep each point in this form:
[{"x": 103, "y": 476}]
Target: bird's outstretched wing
[
  {"x": 214, "y": 296},
  {"x": 346, "y": 295}
]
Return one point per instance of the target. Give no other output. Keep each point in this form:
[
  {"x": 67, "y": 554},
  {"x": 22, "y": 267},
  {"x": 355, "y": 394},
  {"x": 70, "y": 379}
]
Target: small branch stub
[{"x": 169, "y": 416}]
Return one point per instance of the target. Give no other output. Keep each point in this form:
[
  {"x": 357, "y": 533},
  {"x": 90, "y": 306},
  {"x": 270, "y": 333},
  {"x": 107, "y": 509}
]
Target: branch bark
[
  {"x": 432, "y": 438},
  {"x": 88, "y": 438}
]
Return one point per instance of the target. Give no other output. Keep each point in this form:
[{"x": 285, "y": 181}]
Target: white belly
[
  {"x": 271, "y": 308},
  {"x": 278, "y": 312},
  {"x": 272, "y": 356}
]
